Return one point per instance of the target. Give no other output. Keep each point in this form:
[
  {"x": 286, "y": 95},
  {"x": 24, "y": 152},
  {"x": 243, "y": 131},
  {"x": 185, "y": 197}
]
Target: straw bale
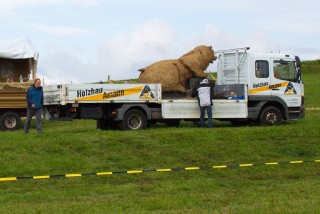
[
  {"x": 174, "y": 74},
  {"x": 14, "y": 86}
]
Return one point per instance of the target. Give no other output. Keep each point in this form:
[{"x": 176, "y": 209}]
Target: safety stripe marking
[
  {"x": 73, "y": 175},
  {"x": 41, "y": 177},
  {"x": 296, "y": 162},
  {"x": 274, "y": 163},
  {"x": 134, "y": 171},
  {"x": 8, "y": 179},
  {"x": 104, "y": 173},
  {"x": 246, "y": 164},
  {"x": 218, "y": 167},
  {"x": 192, "y": 168},
  {"x": 154, "y": 170},
  {"x": 163, "y": 170}
]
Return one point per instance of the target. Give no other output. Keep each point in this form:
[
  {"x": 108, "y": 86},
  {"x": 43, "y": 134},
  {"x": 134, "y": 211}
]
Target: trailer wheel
[
  {"x": 133, "y": 120},
  {"x": 10, "y": 121},
  {"x": 269, "y": 116}
]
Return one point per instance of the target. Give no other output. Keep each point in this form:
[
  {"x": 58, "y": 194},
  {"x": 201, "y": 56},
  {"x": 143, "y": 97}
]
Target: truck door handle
[{"x": 275, "y": 89}]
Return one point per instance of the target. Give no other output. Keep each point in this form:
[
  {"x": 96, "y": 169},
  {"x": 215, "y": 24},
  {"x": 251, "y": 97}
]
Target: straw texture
[
  {"x": 174, "y": 74},
  {"x": 14, "y": 86}
]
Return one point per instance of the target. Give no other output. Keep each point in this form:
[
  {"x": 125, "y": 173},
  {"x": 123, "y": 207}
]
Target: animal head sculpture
[{"x": 199, "y": 59}]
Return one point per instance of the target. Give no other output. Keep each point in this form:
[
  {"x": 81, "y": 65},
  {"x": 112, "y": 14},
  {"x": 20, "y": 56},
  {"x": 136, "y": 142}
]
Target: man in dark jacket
[
  {"x": 35, "y": 102},
  {"x": 204, "y": 92}
]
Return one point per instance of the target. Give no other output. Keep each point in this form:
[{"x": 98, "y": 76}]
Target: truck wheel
[
  {"x": 133, "y": 120},
  {"x": 10, "y": 121},
  {"x": 270, "y": 116}
]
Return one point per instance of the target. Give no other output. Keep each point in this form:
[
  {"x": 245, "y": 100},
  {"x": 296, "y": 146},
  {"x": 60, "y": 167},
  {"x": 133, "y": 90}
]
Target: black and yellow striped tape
[{"x": 155, "y": 170}]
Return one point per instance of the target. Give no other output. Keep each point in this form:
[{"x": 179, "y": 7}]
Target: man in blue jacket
[
  {"x": 35, "y": 102},
  {"x": 204, "y": 92}
]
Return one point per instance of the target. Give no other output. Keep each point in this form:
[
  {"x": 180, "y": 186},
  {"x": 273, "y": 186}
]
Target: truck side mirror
[{"x": 298, "y": 65}]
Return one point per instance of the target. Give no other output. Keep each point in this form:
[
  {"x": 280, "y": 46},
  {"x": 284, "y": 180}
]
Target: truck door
[
  {"x": 285, "y": 82},
  {"x": 261, "y": 77}
]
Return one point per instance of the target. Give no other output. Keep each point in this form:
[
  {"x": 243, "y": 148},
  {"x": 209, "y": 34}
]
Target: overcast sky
[{"x": 87, "y": 40}]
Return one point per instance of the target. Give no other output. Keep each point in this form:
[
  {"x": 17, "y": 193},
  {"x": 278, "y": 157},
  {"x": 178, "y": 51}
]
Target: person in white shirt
[{"x": 204, "y": 92}]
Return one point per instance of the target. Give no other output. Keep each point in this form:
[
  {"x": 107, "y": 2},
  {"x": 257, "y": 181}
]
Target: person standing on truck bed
[
  {"x": 35, "y": 102},
  {"x": 204, "y": 92}
]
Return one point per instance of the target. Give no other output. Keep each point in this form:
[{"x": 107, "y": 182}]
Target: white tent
[
  {"x": 24, "y": 51},
  {"x": 20, "y": 48}
]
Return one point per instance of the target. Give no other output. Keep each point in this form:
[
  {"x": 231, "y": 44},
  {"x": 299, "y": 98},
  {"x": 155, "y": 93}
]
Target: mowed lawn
[{"x": 77, "y": 147}]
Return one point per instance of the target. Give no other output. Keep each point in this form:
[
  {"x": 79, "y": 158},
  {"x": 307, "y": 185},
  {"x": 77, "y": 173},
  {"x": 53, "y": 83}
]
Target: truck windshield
[{"x": 285, "y": 70}]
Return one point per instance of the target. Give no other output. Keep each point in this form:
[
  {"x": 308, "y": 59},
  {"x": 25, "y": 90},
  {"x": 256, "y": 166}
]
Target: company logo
[
  {"x": 275, "y": 86},
  {"x": 146, "y": 93},
  {"x": 113, "y": 94},
  {"x": 89, "y": 92},
  {"x": 261, "y": 84},
  {"x": 142, "y": 92},
  {"x": 290, "y": 89},
  {"x": 265, "y": 87}
]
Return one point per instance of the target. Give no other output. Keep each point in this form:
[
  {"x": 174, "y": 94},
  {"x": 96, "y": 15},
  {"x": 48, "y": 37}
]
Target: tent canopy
[{"x": 20, "y": 48}]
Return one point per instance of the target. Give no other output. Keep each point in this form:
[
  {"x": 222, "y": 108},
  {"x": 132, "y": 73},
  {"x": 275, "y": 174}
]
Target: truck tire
[
  {"x": 10, "y": 121},
  {"x": 133, "y": 120},
  {"x": 270, "y": 116}
]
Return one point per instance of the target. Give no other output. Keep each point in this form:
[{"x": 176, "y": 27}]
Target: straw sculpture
[{"x": 174, "y": 74}]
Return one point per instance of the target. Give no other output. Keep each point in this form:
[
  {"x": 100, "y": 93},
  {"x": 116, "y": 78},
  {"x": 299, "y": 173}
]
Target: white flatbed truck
[{"x": 264, "y": 88}]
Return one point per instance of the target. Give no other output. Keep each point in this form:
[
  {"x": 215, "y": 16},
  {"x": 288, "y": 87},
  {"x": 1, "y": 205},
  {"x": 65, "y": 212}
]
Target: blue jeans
[
  {"x": 30, "y": 113},
  {"x": 209, "y": 112}
]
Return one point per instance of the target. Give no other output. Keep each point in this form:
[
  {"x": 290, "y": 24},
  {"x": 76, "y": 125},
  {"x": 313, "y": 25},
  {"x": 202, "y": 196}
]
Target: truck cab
[{"x": 275, "y": 88}]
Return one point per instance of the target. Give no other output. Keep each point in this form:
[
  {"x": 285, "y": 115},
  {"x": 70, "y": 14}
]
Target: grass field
[
  {"x": 77, "y": 147},
  {"x": 311, "y": 79}
]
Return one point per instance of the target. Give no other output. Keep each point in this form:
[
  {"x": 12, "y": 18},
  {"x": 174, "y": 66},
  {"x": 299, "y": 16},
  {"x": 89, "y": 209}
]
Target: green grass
[
  {"x": 311, "y": 80},
  {"x": 77, "y": 147}
]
